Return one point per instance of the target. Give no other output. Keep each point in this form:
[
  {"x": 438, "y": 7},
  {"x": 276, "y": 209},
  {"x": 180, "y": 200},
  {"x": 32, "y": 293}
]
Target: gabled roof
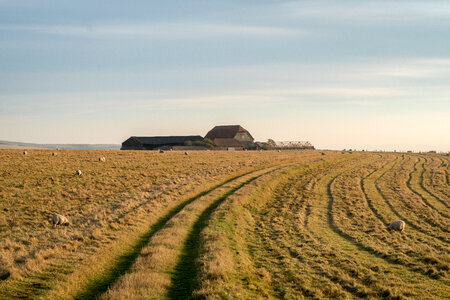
[
  {"x": 224, "y": 132},
  {"x": 166, "y": 140}
]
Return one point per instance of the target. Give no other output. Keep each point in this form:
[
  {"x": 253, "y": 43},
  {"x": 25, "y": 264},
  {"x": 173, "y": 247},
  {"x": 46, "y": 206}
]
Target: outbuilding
[
  {"x": 157, "y": 142},
  {"x": 231, "y": 137}
]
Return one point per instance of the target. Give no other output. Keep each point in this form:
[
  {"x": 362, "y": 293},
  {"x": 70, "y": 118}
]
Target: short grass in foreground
[{"x": 314, "y": 226}]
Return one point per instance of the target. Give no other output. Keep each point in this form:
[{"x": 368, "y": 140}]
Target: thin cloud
[
  {"x": 160, "y": 30},
  {"x": 369, "y": 11},
  {"x": 362, "y": 103}
]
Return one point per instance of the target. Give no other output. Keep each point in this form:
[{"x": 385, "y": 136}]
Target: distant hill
[{"x": 19, "y": 145}]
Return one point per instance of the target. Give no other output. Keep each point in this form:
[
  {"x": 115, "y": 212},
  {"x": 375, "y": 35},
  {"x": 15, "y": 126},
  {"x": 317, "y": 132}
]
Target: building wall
[
  {"x": 246, "y": 139},
  {"x": 243, "y": 136}
]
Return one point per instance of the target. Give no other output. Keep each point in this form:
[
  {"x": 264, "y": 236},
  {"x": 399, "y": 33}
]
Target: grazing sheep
[
  {"x": 397, "y": 226},
  {"x": 59, "y": 220},
  {"x": 102, "y": 159},
  {"x": 54, "y": 153},
  {"x": 185, "y": 153},
  {"x": 323, "y": 153},
  {"x": 161, "y": 151},
  {"x": 78, "y": 172},
  {"x": 24, "y": 152}
]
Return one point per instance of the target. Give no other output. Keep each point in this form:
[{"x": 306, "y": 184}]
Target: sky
[{"x": 369, "y": 75}]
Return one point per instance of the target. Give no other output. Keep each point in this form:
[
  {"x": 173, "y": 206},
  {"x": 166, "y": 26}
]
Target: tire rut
[
  {"x": 124, "y": 262},
  {"x": 174, "y": 244}
]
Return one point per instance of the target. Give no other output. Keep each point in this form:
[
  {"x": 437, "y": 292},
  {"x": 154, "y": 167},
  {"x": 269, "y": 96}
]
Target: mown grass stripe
[
  {"x": 420, "y": 195},
  {"x": 428, "y": 190},
  {"x": 185, "y": 271},
  {"x": 123, "y": 263},
  {"x": 402, "y": 217}
]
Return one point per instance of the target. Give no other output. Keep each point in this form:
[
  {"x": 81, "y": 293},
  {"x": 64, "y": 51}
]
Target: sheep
[
  {"x": 322, "y": 153},
  {"x": 185, "y": 153},
  {"x": 78, "y": 172},
  {"x": 24, "y": 152},
  {"x": 161, "y": 151},
  {"x": 397, "y": 226},
  {"x": 59, "y": 220},
  {"x": 101, "y": 159},
  {"x": 54, "y": 153}
]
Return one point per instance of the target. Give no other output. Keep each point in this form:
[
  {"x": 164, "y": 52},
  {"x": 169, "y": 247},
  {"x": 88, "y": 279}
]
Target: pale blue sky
[{"x": 341, "y": 74}]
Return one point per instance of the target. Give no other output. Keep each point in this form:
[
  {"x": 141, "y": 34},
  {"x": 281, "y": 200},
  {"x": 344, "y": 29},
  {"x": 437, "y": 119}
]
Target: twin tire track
[{"x": 164, "y": 265}]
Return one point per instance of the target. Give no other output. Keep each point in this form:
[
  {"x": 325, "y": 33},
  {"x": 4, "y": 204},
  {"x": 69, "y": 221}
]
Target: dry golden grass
[
  {"x": 321, "y": 233},
  {"x": 111, "y": 206},
  {"x": 214, "y": 225}
]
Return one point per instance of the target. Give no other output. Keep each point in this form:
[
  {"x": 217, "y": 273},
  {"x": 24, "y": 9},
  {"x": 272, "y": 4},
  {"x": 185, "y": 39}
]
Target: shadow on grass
[
  {"x": 185, "y": 271},
  {"x": 99, "y": 285}
]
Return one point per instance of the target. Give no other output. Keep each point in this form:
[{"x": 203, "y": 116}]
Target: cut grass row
[
  {"x": 406, "y": 205},
  {"x": 150, "y": 274},
  {"x": 356, "y": 221},
  {"x": 236, "y": 231},
  {"x": 283, "y": 258},
  {"x": 315, "y": 230},
  {"x": 434, "y": 181},
  {"x": 415, "y": 184},
  {"x": 112, "y": 206},
  {"x": 154, "y": 272}
]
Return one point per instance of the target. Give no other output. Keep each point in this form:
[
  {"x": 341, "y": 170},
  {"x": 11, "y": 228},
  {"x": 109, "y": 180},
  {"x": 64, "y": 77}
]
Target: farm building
[
  {"x": 292, "y": 145},
  {"x": 231, "y": 137},
  {"x": 157, "y": 142}
]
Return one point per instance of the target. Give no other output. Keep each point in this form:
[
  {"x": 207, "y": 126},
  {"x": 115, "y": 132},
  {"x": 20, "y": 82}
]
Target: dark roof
[
  {"x": 224, "y": 132},
  {"x": 163, "y": 140}
]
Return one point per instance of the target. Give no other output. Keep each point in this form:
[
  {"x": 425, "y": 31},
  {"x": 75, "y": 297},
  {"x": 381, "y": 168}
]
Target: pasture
[{"x": 217, "y": 224}]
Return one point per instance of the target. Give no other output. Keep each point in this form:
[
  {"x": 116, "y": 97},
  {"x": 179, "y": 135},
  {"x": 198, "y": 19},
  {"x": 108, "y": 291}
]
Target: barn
[
  {"x": 157, "y": 142},
  {"x": 231, "y": 137}
]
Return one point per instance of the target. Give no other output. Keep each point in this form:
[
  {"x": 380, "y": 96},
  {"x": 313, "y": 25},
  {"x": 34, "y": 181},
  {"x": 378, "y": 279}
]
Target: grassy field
[{"x": 215, "y": 224}]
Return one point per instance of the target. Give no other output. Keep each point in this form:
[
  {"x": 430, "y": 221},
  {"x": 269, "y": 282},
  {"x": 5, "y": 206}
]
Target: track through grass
[
  {"x": 123, "y": 263},
  {"x": 184, "y": 273}
]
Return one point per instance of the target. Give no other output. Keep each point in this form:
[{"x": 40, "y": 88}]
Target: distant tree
[
  {"x": 204, "y": 143},
  {"x": 271, "y": 144}
]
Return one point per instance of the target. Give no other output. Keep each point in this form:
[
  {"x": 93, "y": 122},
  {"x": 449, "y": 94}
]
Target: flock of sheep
[{"x": 58, "y": 219}]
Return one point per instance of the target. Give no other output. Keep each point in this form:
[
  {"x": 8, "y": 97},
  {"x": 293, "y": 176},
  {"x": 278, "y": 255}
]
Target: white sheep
[
  {"x": 24, "y": 152},
  {"x": 78, "y": 172},
  {"x": 161, "y": 151},
  {"x": 396, "y": 226},
  {"x": 59, "y": 220},
  {"x": 102, "y": 159},
  {"x": 185, "y": 153},
  {"x": 54, "y": 153}
]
